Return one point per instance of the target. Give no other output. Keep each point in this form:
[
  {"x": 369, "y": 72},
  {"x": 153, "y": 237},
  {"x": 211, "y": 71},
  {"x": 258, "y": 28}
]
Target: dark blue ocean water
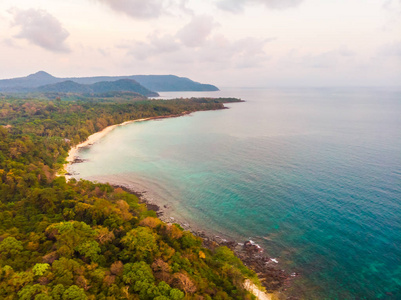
[{"x": 313, "y": 175}]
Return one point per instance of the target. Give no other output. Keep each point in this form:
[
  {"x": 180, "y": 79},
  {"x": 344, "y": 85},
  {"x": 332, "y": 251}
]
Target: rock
[
  {"x": 251, "y": 246},
  {"x": 78, "y": 160}
]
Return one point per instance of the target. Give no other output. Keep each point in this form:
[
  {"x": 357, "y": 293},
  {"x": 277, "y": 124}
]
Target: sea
[{"x": 313, "y": 175}]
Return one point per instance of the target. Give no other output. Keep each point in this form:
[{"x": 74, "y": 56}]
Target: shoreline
[
  {"x": 72, "y": 156},
  {"x": 249, "y": 253},
  {"x": 273, "y": 279}
]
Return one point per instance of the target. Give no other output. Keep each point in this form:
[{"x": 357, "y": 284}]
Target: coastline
[
  {"x": 273, "y": 279},
  {"x": 252, "y": 256},
  {"x": 72, "y": 156}
]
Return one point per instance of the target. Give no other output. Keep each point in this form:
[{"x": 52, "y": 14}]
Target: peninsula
[{"x": 87, "y": 240}]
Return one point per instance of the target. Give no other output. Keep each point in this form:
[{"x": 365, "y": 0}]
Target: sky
[{"x": 229, "y": 43}]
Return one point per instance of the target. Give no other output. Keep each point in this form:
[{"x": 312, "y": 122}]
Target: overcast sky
[{"x": 224, "y": 42}]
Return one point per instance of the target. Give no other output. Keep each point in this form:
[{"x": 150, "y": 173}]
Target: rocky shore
[{"x": 274, "y": 279}]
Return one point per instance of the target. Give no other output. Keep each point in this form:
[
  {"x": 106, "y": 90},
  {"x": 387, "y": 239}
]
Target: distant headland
[{"x": 146, "y": 85}]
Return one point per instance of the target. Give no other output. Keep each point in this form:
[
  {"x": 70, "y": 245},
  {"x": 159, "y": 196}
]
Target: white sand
[
  {"x": 72, "y": 154},
  {"x": 251, "y": 287}
]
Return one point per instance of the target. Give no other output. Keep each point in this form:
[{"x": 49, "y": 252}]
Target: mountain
[
  {"x": 65, "y": 87},
  {"x": 170, "y": 83},
  {"x": 126, "y": 85},
  {"x": 159, "y": 83},
  {"x": 25, "y": 83}
]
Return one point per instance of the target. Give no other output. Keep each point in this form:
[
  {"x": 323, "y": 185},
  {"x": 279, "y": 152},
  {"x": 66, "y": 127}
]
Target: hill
[
  {"x": 30, "y": 81},
  {"x": 122, "y": 85},
  {"x": 158, "y": 83},
  {"x": 65, "y": 87},
  {"x": 128, "y": 85},
  {"x": 167, "y": 83}
]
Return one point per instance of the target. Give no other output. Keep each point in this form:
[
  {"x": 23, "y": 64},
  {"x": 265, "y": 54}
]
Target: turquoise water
[{"x": 313, "y": 175}]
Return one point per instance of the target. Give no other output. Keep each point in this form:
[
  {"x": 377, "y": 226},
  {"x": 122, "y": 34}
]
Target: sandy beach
[{"x": 72, "y": 154}]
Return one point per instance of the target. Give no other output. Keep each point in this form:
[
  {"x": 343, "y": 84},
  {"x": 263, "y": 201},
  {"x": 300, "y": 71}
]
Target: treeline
[{"x": 81, "y": 240}]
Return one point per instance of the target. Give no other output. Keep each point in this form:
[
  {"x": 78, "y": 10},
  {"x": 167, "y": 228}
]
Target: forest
[{"x": 83, "y": 240}]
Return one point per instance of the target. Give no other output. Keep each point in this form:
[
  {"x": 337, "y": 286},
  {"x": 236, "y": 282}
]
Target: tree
[
  {"x": 183, "y": 282},
  {"x": 65, "y": 270},
  {"x": 161, "y": 270},
  {"x": 141, "y": 280},
  {"x": 176, "y": 294},
  {"x": 73, "y": 236},
  {"x": 117, "y": 268},
  {"x": 139, "y": 271},
  {"x": 28, "y": 292},
  {"x": 89, "y": 249},
  {"x": 43, "y": 297},
  {"x": 10, "y": 247},
  {"x": 74, "y": 293},
  {"x": 151, "y": 222},
  {"x": 57, "y": 292},
  {"x": 11, "y": 253},
  {"x": 140, "y": 244},
  {"x": 40, "y": 269}
]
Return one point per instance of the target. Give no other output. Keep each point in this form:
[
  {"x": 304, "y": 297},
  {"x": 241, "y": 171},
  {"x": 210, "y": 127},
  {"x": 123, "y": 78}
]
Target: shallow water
[{"x": 313, "y": 175}]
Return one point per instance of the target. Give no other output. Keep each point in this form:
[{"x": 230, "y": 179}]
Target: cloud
[
  {"x": 197, "y": 31},
  {"x": 239, "y": 5},
  {"x": 390, "y": 50},
  {"x": 41, "y": 28},
  {"x": 215, "y": 52},
  {"x": 221, "y": 53},
  {"x": 9, "y": 43},
  {"x": 279, "y": 4},
  {"x": 183, "y": 5},
  {"x": 321, "y": 61},
  {"x": 251, "y": 53},
  {"x": 333, "y": 59},
  {"x": 140, "y": 9},
  {"x": 345, "y": 51},
  {"x": 392, "y": 5},
  {"x": 104, "y": 52},
  {"x": 231, "y": 5},
  {"x": 155, "y": 46},
  {"x": 197, "y": 45},
  {"x": 152, "y": 9}
]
